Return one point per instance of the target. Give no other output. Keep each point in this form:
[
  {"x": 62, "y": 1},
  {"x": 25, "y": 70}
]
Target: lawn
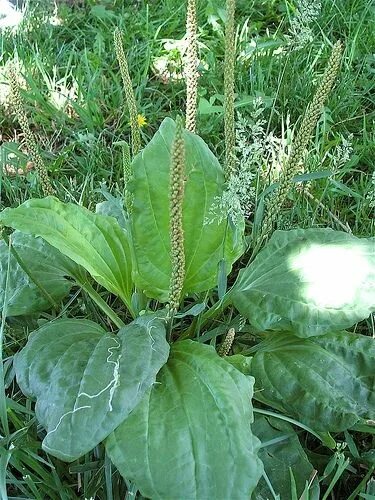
[{"x": 67, "y": 72}]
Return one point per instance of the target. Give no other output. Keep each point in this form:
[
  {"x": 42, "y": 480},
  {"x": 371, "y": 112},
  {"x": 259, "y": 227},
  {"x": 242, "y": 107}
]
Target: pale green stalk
[
  {"x": 127, "y": 173},
  {"x": 102, "y": 304},
  {"x": 129, "y": 93},
  {"x": 30, "y": 142},
  {"x": 229, "y": 65},
  {"x": 191, "y": 73}
]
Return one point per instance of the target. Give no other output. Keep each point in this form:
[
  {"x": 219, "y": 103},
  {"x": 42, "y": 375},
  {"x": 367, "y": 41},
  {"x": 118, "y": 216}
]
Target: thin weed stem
[{"x": 229, "y": 67}]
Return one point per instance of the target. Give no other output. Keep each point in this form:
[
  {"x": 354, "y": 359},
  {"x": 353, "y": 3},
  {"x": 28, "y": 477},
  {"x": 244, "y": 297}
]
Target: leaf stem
[
  {"x": 341, "y": 466},
  {"x": 328, "y": 441},
  {"x": 212, "y": 312},
  {"x": 4, "y": 459},
  {"x": 3, "y": 405},
  {"x": 88, "y": 288}
]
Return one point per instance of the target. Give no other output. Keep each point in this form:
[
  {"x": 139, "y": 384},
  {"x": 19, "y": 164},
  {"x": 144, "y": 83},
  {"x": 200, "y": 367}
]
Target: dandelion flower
[{"x": 141, "y": 120}]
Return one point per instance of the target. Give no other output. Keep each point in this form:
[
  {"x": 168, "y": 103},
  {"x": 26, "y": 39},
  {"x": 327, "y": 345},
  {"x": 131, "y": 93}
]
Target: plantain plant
[{"x": 176, "y": 415}]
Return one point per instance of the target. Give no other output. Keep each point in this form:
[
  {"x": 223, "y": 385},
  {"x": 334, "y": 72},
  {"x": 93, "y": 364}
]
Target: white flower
[
  {"x": 259, "y": 155},
  {"x": 301, "y": 32},
  {"x": 342, "y": 153}
]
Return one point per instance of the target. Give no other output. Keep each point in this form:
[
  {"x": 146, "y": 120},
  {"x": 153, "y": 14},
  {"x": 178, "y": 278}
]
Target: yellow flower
[{"x": 141, "y": 120}]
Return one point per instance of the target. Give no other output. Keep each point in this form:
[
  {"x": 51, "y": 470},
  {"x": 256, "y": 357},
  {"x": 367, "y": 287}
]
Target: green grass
[{"x": 78, "y": 150}]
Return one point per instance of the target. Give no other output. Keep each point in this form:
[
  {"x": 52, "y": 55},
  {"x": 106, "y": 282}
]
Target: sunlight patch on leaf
[
  {"x": 308, "y": 281},
  {"x": 332, "y": 276}
]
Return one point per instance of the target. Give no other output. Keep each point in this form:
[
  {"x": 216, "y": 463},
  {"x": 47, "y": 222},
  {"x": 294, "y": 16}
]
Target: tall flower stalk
[
  {"x": 305, "y": 131},
  {"x": 129, "y": 93},
  {"x": 191, "y": 73},
  {"x": 229, "y": 65},
  {"x": 30, "y": 142},
  {"x": 176, "y": 194}
]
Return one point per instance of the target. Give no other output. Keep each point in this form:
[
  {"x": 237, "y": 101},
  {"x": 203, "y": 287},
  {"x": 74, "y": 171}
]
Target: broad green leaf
[
  {"x": 43, "y": 285},
  {"x": 190, "y": 437},
  {"x": 242, "y": 363},
  {"x": 309, "y": 281},
  {"x": 86, "y": 381},
  {"x": 282, "y": 453},
  {"x": 114, "y": 207},
  {"x": 326, "y": 382},
  {"x": 94, "y": 241},
  {"x": 194, "y": 310},
  {"x": 205, "y": 244}
]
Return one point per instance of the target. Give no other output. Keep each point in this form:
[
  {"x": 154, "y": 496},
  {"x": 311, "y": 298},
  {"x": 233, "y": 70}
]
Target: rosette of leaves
[
  {"x": 178, "y": 419},
  {"x": 83, "y": 376}
]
